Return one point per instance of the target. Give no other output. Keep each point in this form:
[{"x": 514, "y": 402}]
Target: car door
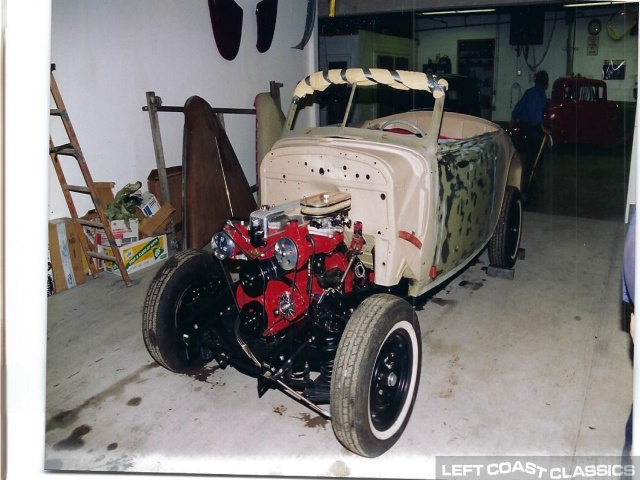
[
  {"x": 467, "y": 177},
  {"x": 588, "y": 114},
  {"x": 565, "y": 113}
]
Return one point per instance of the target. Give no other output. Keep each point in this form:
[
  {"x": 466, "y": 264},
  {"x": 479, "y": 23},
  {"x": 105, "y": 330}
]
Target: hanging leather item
[
  {"x": 226, "y": 20},
  {"x": 215, "y": 187},
  {"x": 309, "y": 23},
  {"x": 266, "y": 13}
]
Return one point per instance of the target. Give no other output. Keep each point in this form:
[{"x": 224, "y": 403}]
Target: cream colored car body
[{"x": 428, "y": 205}]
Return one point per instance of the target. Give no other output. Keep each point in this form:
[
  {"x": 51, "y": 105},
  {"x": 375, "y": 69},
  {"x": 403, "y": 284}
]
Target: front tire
[
  {"x": 505, "y": 243},
  {"x": 376, "y": 375},
  {"x": 177, "y": 307}
]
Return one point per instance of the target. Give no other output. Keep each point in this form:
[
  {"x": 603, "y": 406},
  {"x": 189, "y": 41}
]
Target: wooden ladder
[{"x": 72, "y": 149}]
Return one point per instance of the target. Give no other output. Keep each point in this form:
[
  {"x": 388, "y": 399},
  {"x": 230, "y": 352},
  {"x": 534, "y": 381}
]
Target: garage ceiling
[
  {"x": 397, "y": 18},
  {"x": 359, "y": 7}
]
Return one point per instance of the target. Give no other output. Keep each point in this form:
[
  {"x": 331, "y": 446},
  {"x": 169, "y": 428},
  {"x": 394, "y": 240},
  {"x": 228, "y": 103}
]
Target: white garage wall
[{"x": 109, "y": 54}]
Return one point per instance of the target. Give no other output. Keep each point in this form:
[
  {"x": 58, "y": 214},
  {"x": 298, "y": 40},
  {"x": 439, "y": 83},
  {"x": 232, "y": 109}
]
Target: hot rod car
[
  {"x": 314, "y": 293},
  {"x": 579, "y": 112}
]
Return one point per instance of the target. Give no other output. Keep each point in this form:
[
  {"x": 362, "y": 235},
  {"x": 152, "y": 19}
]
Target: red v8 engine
[{"x": 292, "y": 256}]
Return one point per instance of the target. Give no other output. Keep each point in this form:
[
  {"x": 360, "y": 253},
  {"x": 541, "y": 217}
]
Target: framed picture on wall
[{"x": 613, "y": 70}]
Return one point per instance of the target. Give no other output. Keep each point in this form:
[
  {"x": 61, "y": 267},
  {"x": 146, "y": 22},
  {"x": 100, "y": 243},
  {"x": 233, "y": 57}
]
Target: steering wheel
[{"x": 412, "y": 125}]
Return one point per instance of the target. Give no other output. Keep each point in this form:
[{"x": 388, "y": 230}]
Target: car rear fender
[{"x": 514, "y": 177}]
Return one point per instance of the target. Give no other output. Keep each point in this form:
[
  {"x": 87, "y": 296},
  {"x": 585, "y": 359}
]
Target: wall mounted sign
[{"x": 592, "y": 45}]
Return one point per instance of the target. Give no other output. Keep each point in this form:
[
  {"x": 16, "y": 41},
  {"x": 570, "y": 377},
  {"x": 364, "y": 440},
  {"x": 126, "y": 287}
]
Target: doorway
[
  {"x": 386, "y": 98},
  {"x": 476, "y": 59}
]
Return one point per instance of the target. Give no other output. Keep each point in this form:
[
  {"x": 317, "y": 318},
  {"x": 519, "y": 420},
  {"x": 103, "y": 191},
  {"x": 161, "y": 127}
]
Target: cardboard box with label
[
  {"x": 66, "y": 255},
  {"x": 138, "y": 255},
  {"x": 149, "y": 204},
  {"x": 122, "y": 234}
]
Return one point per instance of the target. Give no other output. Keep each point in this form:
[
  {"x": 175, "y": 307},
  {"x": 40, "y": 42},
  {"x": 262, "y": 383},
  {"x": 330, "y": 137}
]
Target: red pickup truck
[{"x": 579, "y": 112}]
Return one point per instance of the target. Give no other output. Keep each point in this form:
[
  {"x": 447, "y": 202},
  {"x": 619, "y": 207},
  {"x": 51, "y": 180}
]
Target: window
[{"x": 590, "y": 93}]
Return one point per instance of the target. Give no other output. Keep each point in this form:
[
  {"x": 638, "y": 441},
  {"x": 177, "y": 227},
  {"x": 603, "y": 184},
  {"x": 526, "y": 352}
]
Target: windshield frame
[{"x": 362, "y": 78}]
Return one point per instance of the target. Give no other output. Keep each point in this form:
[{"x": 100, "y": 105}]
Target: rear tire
[
  {"x": 505, "y": 243},
  {"x": 376, "y": 375},
  {"x": 173, "y": 317}
]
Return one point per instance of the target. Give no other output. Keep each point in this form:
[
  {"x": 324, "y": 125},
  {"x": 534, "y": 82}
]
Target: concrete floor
[
  {"x": 537, "y": 365},
  {"x": 583, "y": 181}
]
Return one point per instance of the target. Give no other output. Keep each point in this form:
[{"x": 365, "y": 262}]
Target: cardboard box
[
  {"x": 91, "y": 235},
  {"x": 149, "y": 205},
  {"x": 158, "y": 223},
  {"x": 174, "y": 179},
  {"x": 65, "y": 252},
  {"x": 104, "y": 192},
  {"x": 121, "y": 234},
  {"x": 138, "y": 255}
]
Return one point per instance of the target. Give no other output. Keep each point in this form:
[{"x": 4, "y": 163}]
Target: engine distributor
[{"x": 289, "y": 256}]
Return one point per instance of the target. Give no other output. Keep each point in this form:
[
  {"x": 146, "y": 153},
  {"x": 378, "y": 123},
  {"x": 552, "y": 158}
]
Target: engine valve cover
[{"x": 323, "y": 204}]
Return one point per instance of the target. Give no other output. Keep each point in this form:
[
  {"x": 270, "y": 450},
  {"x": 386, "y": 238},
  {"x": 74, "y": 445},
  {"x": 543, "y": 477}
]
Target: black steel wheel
[
  {"x": 376, "y": 375},
  {"x": 504, "y": 245},
  {"x": 182, "y": 297}
]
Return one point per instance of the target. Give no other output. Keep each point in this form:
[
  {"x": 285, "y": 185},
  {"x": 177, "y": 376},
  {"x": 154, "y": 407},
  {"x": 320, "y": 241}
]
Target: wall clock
[{"x": 595, "y": 26}]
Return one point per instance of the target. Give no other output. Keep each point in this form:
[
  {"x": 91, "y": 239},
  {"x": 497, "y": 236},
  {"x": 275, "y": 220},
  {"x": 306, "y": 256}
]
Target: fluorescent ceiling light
[
  {"x": 479, "y": 10},
  {"x": 596, "y": 4},
  {"x": 453, "y": 12}
]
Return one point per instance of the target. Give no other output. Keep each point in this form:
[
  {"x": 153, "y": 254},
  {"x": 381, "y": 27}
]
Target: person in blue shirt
[{"x": 528, "y": 112}]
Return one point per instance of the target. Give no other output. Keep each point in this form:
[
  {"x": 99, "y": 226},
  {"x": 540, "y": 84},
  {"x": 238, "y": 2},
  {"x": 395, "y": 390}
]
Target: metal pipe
[
  {"x": 348, "y": 109},
  {"x": 571, "y": 43},
  {"x": 239, "y": 111},
  {"x": 153, "y": 103}
]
